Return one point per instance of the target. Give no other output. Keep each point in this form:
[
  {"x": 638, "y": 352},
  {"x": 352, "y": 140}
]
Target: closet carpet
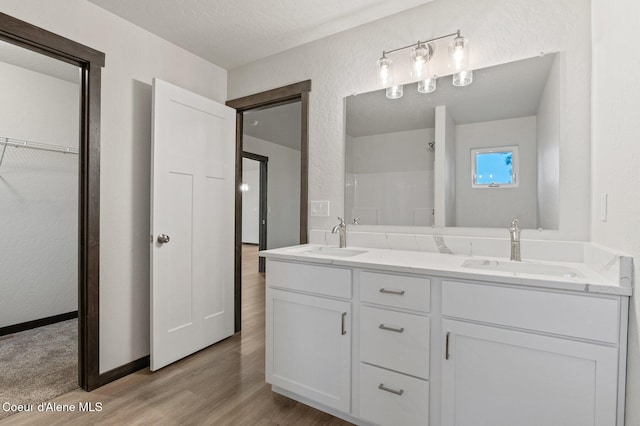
[{"x": 38, "y": 365}]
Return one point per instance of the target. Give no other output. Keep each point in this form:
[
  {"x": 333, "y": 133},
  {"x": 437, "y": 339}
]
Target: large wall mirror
[{"x": 473, "y": 156}]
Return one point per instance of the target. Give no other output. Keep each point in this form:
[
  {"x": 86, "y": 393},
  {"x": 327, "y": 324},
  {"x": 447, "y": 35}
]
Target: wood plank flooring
[{"x": 221, "y": 385}]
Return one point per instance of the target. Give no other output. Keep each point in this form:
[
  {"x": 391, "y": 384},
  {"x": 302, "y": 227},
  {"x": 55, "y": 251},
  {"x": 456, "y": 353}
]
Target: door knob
[{"x": 163, "y": 238}]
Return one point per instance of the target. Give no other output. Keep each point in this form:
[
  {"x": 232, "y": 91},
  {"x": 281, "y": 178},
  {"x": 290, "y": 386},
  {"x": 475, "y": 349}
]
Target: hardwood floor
[{"x": 221, "y": 385}]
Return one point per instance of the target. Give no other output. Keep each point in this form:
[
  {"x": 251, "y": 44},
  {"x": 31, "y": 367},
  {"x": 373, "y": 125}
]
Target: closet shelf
[{"x": 18, "y": 143}]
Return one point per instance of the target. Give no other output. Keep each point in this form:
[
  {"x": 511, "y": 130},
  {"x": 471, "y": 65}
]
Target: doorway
[
  {"x": 246, "y": 108},
  {"x": 39, "y": 134},
  {"x": 254, "y": 189},
  {"x": 89, "y": 63}
]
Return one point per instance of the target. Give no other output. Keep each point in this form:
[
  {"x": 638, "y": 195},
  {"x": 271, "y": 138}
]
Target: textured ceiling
[
  {"x": 234, "y": 33},
  {"x": 504, "y": 91}
]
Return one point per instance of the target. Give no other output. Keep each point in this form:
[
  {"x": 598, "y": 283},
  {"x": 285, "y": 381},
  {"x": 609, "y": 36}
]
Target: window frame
[{"x": 515, "y": 166}]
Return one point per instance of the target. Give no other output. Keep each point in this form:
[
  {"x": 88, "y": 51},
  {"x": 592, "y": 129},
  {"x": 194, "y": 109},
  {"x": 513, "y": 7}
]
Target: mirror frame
[{"x": 90, "y": 62}]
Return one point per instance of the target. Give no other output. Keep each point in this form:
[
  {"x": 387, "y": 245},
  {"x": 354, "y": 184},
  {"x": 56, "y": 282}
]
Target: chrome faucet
[
  {"x": 514, "y": 232},
  {"x": 341, "y": 229}
]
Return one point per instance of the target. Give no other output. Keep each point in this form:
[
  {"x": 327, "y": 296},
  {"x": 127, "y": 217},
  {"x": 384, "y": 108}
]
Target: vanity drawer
[
  {"x": 395, "y": 340},
  {"x": 586, "y": 317},
  {"x": 309, "y": 278},
  {"x": 400, "y": 291},
  {"x": 391, "y": 399}
]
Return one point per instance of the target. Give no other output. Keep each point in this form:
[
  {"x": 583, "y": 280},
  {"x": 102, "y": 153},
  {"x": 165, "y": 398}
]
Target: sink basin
[
  {"x": 333, "y": 251},
  {"x": 523, "y": 267}
]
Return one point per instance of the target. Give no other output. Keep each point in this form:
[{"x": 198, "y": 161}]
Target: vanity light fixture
[{"x": 422, "y": 52}]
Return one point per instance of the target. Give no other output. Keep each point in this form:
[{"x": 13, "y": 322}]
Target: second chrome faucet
[{"x": 514, "y": 232}]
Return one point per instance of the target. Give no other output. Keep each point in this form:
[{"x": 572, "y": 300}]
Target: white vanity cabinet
[
  {"x": 392, "y": 346},
  {"x": 308, "y": 332},
  {"x": 528, "y": 357}
]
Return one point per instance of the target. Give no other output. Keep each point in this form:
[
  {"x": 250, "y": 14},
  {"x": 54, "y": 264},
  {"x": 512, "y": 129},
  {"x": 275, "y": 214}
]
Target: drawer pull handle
[
  {"x": 446, "y": 350},
  {"x": 386, "y": 327},
  {"x": 343, "y": 329},
  {"x": 381, "y": 386},
  {"x": 398, "y": 292}
]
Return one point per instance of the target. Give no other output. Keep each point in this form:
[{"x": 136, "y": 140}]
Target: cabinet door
[
  {"x": 502, "y": 377},
  {"x": 308, "y": 346}
]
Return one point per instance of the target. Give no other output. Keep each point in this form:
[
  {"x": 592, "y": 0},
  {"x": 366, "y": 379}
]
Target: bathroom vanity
[{"x": 392, "y": 337}]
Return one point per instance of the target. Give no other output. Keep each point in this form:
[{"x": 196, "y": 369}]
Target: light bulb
[
  {"x": 244, "y": 187},
  {"x": 459, "y": 54},
  {"x": 419, "y": 58}
]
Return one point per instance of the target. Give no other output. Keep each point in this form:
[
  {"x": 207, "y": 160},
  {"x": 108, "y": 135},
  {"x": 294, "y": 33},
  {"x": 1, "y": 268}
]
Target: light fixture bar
[{"x": 385, "y": 52}]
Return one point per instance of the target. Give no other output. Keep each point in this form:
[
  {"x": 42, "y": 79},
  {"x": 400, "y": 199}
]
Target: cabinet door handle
[
  {"x": 398, "y": 292},
  {"x": 381, "y": 386},
  {"x": 446, "y": 346},
  {"x": 388, "y": 328},
  {"x": 343, "y": 330}
]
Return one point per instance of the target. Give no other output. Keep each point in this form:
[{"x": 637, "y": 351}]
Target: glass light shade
[
  {"x": 427, "y": 86},
  {"x": 459, "y": 51},
  {"x": 463, "y": 78},
  {"x": 419, "y": 58},
  {"x": 394, "y": 92},
  {"x": 385, "y": 71}
]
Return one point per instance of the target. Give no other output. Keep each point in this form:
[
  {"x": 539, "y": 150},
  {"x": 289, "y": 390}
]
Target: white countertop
[{"x": 450, "y": 266}]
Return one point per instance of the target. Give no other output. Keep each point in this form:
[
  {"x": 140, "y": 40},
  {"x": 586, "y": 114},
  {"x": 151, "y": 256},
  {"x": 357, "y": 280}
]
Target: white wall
[
  {"x": 38, "y": 197},
  {"x": 500, "y": 31},
  {"x": 497, "y": 207},
  {"x": 616, "y": 154},
  {"x": 445, "y": 151},
  {"x": 392, "y": 178},
  {"x": 251, "y": 201},
  {"x": 283, "y": 191},
  {"x": 548, "y": 140},
  {"x": 133, "y": 58}
]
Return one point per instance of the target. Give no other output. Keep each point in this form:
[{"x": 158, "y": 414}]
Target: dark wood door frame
[
  {"x": 270, "y": 98},
  {"x": 90, "y": 62},
  {"x": 263, "y": 210}
]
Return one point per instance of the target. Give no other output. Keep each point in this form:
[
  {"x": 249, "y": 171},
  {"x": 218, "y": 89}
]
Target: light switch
[
  {"x": 603, "y": 206},
  {"x": 320, "y": 208}
]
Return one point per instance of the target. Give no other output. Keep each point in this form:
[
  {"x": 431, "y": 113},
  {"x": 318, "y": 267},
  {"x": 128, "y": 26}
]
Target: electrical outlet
[
  {"x": 603, "y": 206},
  {"x": 320, "y": 208}
]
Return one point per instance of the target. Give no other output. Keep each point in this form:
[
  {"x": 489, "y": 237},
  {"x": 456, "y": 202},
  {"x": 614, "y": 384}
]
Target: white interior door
[{"x": 192, "y": 221}]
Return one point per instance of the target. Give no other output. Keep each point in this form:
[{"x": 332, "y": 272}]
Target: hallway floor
[{"x": 221, "y": 385}]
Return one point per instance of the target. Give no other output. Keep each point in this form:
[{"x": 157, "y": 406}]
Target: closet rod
[
  {"x": 18, "y": 143},
  {"x": 38, "y": 145}
]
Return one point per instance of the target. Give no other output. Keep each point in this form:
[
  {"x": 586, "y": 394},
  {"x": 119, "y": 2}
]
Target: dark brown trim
[
  {"x": 237, "y": 261},
  {"x": 90, "y": 61},
  {"x": 255, "y": 157},
  {"x": 304, "y": 167},
  {"x": 41, "y": 322},
  {"x": 35, "y": 38},
  {"x": 124, "y": 370},
  {"x": 271, "y": 98},
  {"x": 282, "y": 95}
]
